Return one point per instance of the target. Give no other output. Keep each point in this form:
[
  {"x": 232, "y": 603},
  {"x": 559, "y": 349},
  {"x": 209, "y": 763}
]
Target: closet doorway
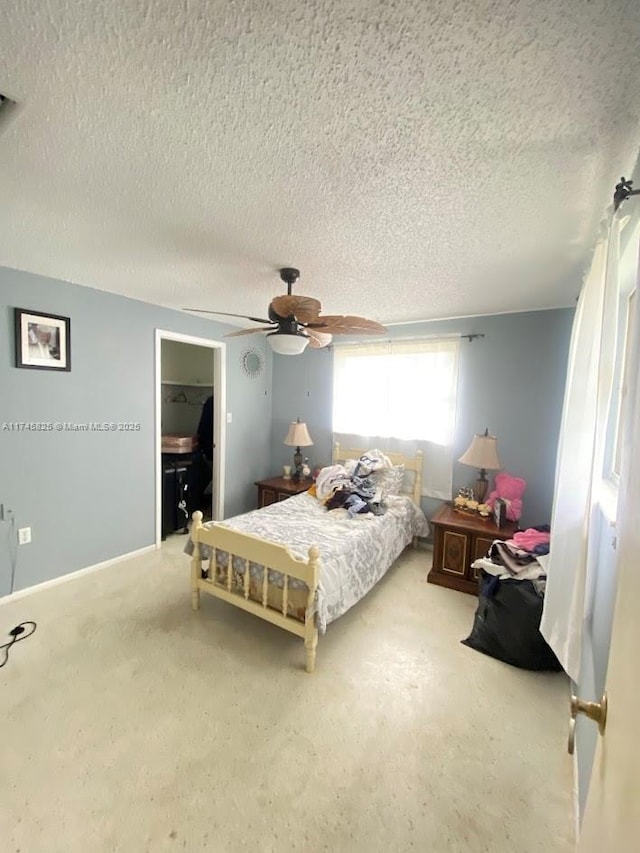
[{"x": 189, "y": 371}]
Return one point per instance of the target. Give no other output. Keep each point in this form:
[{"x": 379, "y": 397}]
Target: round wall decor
[{"x": 252, "y": 363}]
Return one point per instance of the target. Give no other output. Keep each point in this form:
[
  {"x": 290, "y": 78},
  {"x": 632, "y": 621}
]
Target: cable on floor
[{"x": 17, "y": 634}]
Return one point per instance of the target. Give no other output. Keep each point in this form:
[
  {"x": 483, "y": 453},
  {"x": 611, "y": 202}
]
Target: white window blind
[{"x": 400, "y": 395}]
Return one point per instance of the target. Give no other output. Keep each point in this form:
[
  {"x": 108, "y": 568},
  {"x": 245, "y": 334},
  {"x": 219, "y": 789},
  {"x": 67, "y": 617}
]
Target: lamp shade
[
  {"x": 287, "y": 344},
  {"x": 298, "y": 435},
  {"x": 482, "y": 453}
]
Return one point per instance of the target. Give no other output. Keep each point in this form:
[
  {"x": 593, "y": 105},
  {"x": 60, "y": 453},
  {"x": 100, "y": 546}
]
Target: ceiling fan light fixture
[{"x": 285, "y": 343}]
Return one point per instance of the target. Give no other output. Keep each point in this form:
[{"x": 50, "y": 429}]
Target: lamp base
[
  {"x": 480, "y": 490},
  {"x": 297, "y": 465}
]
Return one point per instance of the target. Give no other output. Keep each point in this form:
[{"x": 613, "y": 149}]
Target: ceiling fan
[{"x": 295, "y": 321}]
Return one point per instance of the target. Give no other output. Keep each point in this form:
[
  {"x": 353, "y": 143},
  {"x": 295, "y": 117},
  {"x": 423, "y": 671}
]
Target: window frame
[{"x": 629, "y": 270}]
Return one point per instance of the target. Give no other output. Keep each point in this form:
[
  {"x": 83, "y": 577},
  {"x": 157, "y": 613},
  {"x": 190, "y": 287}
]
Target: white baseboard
[{"x": 38, "y": 587}]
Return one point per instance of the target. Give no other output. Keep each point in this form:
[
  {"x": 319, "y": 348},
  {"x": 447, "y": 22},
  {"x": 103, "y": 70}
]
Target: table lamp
[
  {"x": 482, "y": 454},
  {"x": 298, "y": 436}
]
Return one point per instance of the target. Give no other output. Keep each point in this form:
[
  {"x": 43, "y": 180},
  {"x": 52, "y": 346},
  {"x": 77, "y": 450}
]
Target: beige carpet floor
[{"x": 131, "y": 724}]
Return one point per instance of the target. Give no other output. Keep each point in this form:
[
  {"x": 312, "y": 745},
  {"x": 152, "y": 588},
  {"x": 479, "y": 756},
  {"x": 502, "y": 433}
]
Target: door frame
[{"x": 219, "y": 372}]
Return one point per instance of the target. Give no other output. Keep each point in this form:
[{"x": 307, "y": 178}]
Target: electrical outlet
[
  {"x": 24, "y": 535},
  {"x": 229, "y": 417}
]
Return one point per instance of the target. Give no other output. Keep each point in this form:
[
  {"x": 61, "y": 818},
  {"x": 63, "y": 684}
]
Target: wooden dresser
[
  {"x": 459, "y": 539},
  {"x": 279, "y": 489}
]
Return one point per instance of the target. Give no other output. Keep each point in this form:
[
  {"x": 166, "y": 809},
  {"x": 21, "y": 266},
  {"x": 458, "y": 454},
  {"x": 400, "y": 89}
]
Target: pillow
[{"x": 389, "y": 480}]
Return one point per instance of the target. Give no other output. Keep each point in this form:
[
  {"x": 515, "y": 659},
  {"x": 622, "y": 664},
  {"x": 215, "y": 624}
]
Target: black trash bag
[{"x": 507, "y": 624}]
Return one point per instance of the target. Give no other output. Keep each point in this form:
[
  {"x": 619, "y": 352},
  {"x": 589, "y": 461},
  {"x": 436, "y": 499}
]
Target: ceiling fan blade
[
  {"x": 303, "y": 308},
  {"x": 317, "y": 339},
  {"x": 251, "y": 331},
  {"x": 227, "y": 314},
  {"x": 336, "y": 324}
]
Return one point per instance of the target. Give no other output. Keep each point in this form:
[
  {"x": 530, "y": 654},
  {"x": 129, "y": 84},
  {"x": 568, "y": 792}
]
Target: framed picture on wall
[{"x": 43, "y": 341}]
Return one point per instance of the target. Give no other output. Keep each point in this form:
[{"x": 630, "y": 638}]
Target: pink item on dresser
[
  {"x": 510, "y": 489},
  {"x": 529, "y": 539}
]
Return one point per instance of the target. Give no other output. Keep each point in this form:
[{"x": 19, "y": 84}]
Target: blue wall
[
  {"x": 511, "y": 381},
  {"x": 90, "y": 496}
]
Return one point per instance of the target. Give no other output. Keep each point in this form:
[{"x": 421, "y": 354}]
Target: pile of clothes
[
  {"x": 357, "y": 485},
  {"x": 506, "y": 625},
  {"x": 523, "y": 557}
]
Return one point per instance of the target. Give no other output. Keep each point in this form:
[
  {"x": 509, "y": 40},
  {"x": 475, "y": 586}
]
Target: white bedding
[{"x": 355, "y": 552}]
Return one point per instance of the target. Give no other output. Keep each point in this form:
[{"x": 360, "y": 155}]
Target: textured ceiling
[{"x": 415, "y": 159}]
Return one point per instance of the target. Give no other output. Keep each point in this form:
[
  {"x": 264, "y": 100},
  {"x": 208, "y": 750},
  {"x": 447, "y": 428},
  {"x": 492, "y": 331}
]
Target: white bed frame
[{"x": 253, "y": 549}]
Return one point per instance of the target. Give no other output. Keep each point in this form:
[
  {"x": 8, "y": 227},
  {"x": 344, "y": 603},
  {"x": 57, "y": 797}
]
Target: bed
[{"x": 319, "y": 563}]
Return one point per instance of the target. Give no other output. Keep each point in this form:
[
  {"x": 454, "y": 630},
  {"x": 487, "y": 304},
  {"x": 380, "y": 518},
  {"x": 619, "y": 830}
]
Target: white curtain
[
  {"x": 581, "y": 449},
  {"x": 400, "y": 395}
]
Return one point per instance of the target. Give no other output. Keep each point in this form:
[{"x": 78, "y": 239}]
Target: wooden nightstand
[
  {"x": 279, "y": 489},
  {"x": 459, "y": 539}
]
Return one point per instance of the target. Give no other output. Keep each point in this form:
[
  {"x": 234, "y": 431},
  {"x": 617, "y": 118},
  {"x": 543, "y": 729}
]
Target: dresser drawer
[{"x": 458, "y": 541}]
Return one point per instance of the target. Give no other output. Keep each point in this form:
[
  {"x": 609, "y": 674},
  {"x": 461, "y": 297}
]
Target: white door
[{"x": 612, "y": 818}]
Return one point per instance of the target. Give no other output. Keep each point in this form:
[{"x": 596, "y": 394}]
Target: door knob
[{"x": 596, "y": 711}]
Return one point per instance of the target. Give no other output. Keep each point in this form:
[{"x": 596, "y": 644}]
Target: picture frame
[
  {"x": 43, "y": 341},
  {"x": 499, "y": 512}
]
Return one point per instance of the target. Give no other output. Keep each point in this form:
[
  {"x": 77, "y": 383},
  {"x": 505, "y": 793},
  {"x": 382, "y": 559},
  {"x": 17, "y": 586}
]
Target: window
[
  {"x": 626, "y": 290},
  {"x": 400, "y": 395},
  {"x": 403, "y": 389},
  {"x": 625, "y": 376}
]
